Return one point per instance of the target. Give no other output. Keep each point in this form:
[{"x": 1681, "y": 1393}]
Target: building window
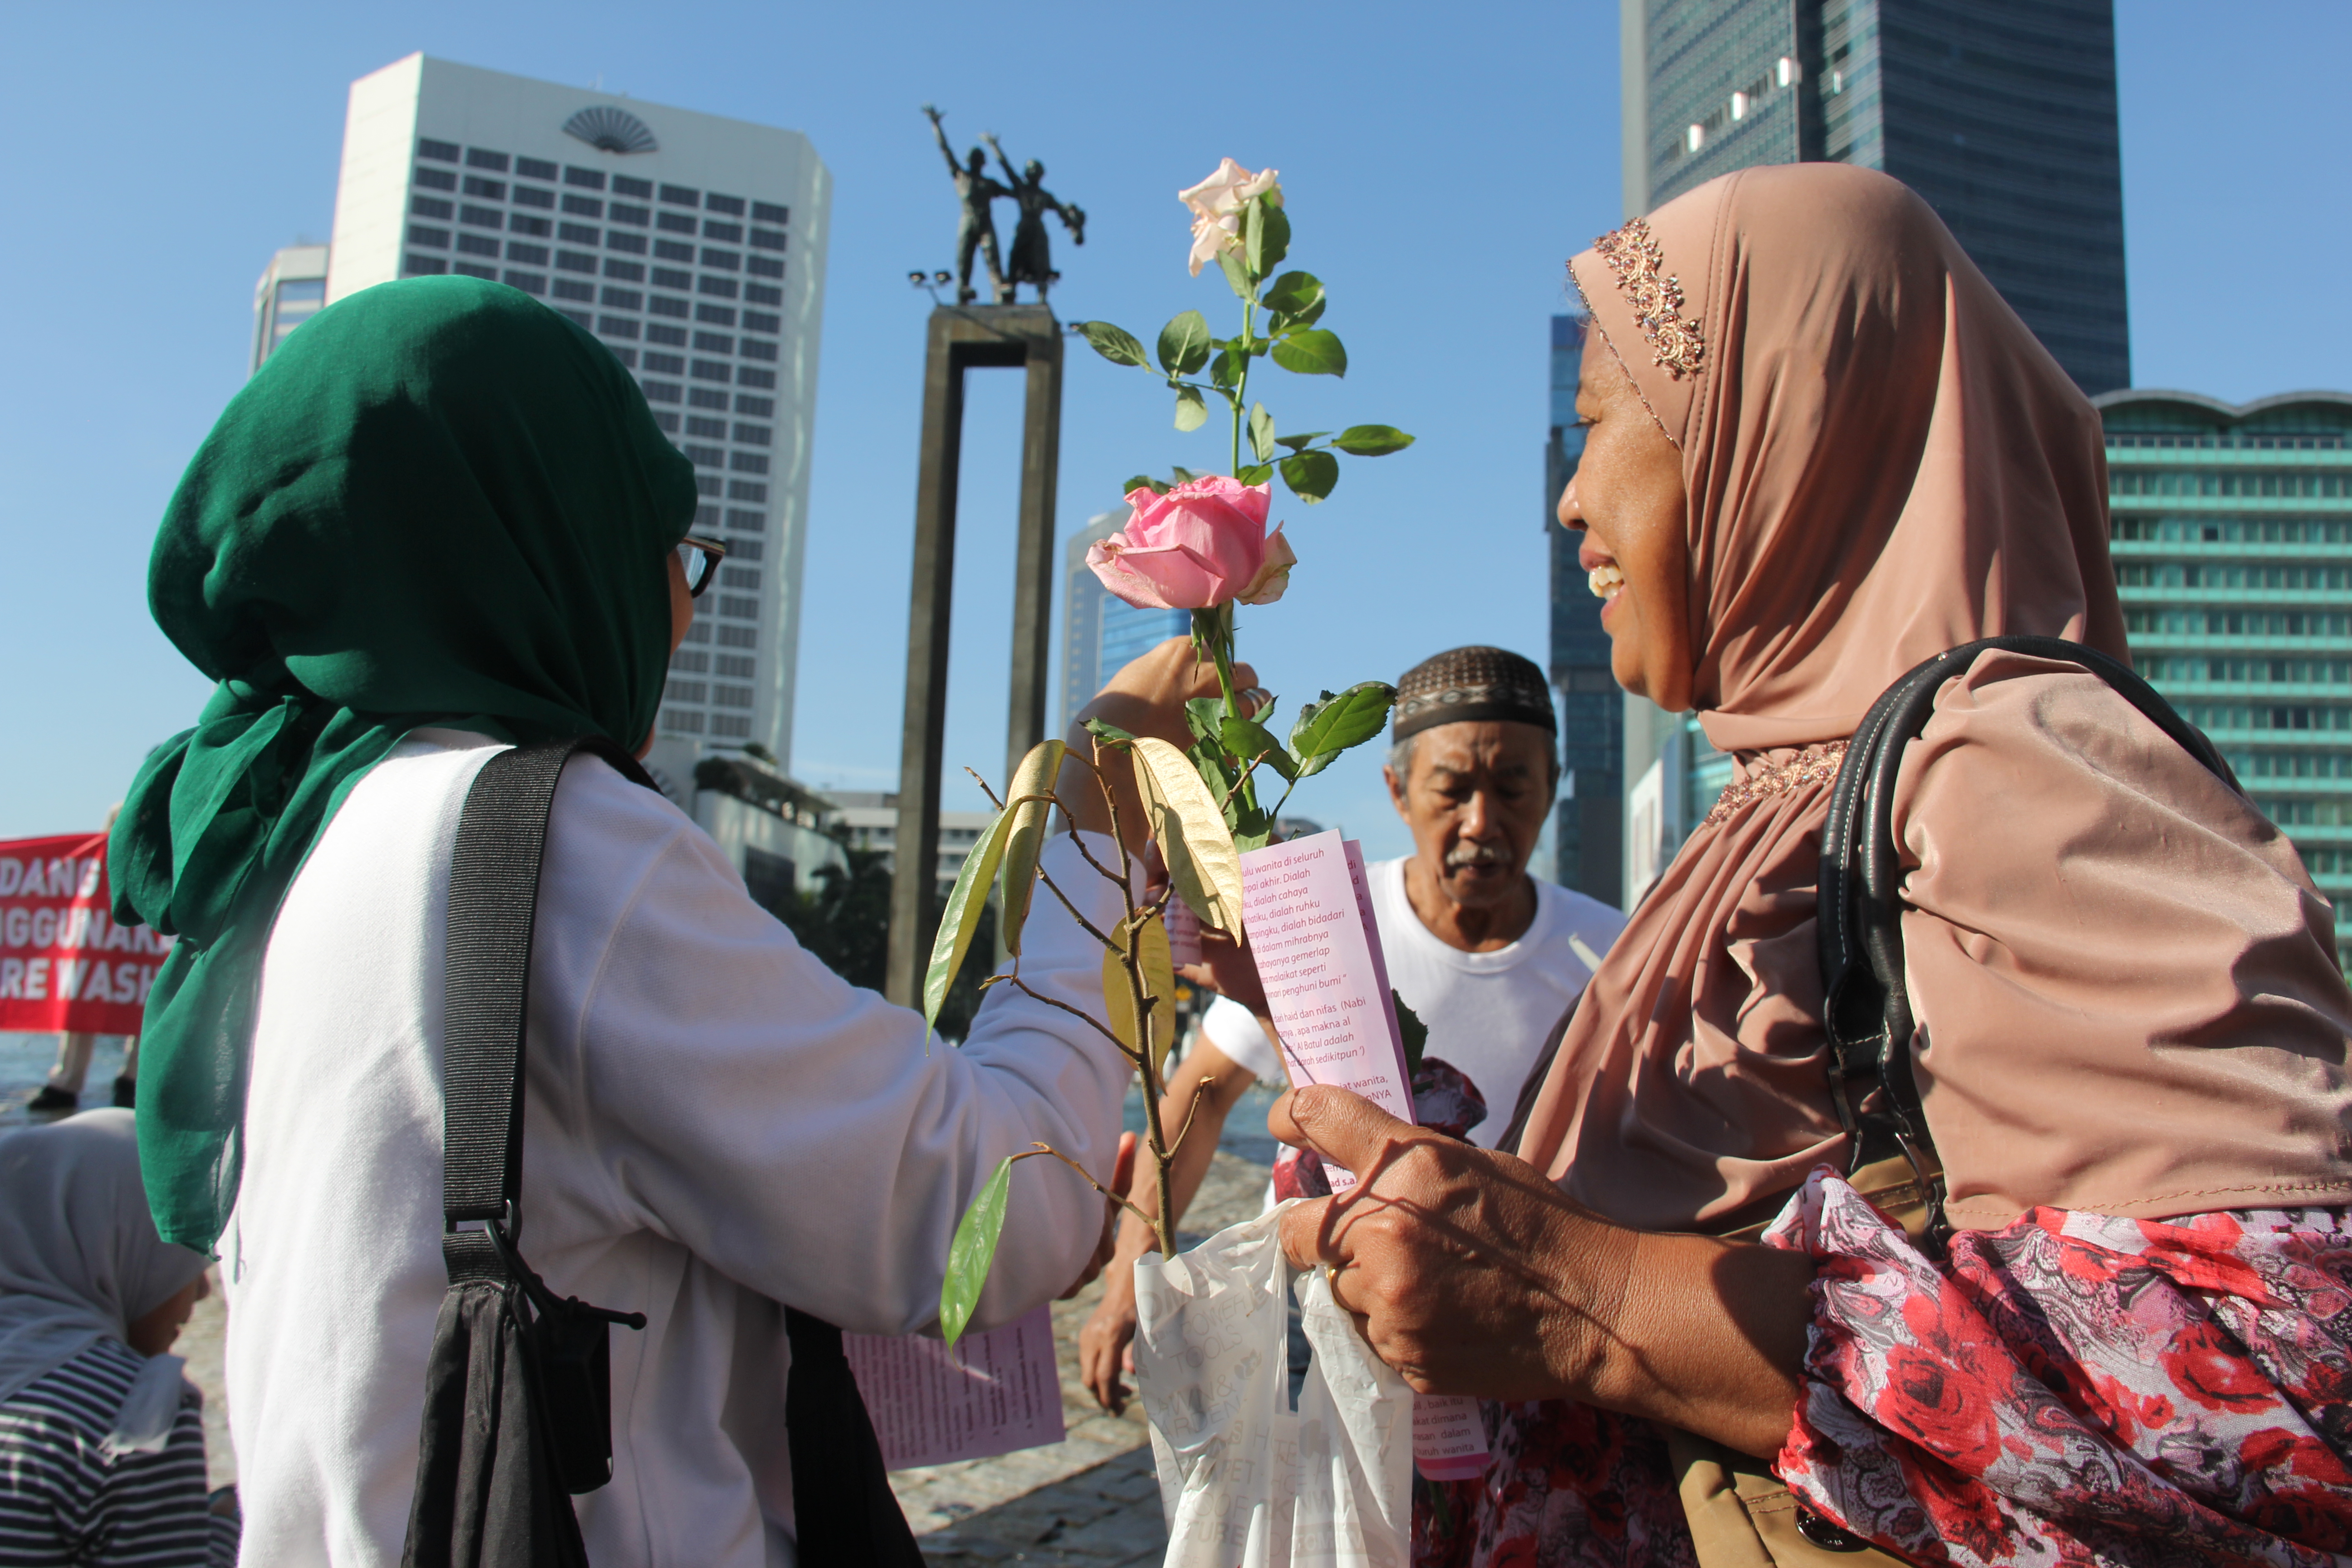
[
  {"x": 732, "y": 205},
  {"x": 706, "y": 484},
  {"x": 482, "y": 218},
  {"x": 662, "y": 334},
  {"x": 757, "y": 407},
  {"x": 711, "y": 370},
  {"x": 476, "y": 269},
  {"x": 708, "y": 457},
  {"x": 531, "y": 255},
  {"x": 529, "y": 282},
  {"x": 626, "y": 271},
  {"x": 714, "y": 342},
  {"x": 735, "y": 666},
  {"x": 675, "y": 222},
  {"x": 438, "y": 179},
  {"x": 715, "y": 429},
  {"x": 770, "y": 266},
  {"x": 534, "y": 168},
  {"x": 755, "y": 435},
  {"x": 741, "y": 637},
  {"x": 682, "y": 721},
  {"x": 483, "y": 158},
  {"x": 687, "y": 691},
  {"x": 748, "y": 550},
  {"x": 744, "y": 489},
  {"x": 767, "y": 239},
  {"x": 749, "y": 463},
  {"x": 760, "y": 321},
  {"x": 768, "y": 212},
  {"x": 574, "y": 262},
  {"x": 738, "y": 609},
  {"x": 627, "y": 356},
  {"x": 707, "y": 397},
  {"x": 751, "y": 376},
  {"x": 626, "y": 300},
  {"x": 579, "y": 317},
  {"x": 426, "y": 266},
  {"x": 616, "y": 326},
  {"x": 740, "y": 517},
  {"x": 430, "y": 206},
  {"x": 582, "y": 206},
  {"x": 624, "y": 185},
  {"x": 731, "y": 696},
  {"x": 418, "y": 234},
  {"x": 671, "y": 250},
  {"x": 660, "y": 304},
  {"x": 489, "y": 190},
  {"x": 587, "y": 179},
  {"x": 621, "y": 211},
  {"x": 523, "y": 223},
  {"x": 667, "y": 277},
  {"x": 761, "y": 293},
  {"x": 759, "y": 348},
  {"x": 668, "y": 422},
  {"x": 532, "y": 196},
  {"x": 680, "y": 196},
  {"x": 439, "y": 152},
  {"x": 724, "y": 288},
  {"x": 634, "y": 244},
  {"x": 577, "y": 234},
  {"x": 661, "y": 391},
  {"x": 738, "y": 577},
  {"x": 732, "y": 727},
  {"x": 664, "y": 365},
  {"x": 572, "y": 288},
  {"x": 731, "y": 233},
  {"x": 716, "y": 315},
  {"x": 732, "y": 261},
  {"x": 692, "y": 662},
  {"x": 477, "y": 245}
]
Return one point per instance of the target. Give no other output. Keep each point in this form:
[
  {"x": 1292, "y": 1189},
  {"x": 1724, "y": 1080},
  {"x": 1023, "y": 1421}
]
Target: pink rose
[
  {"x": 1201, "y": 543},
  {"x": 1217, "y": 203}
]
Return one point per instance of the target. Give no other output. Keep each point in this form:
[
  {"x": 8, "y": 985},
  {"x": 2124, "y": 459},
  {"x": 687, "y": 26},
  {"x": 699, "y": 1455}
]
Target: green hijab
[{"x": 440, "y": 502}]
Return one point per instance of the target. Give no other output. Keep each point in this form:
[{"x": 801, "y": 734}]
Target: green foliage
[
  {"x": 1414, "y": 1032},
  {"x": 1145, "y": 482},
  {"x": 1255, "y": 473},
  {"x": 1310, "y": 475},
  {"x": 1296, "y": 294},
  {"x": 1184, "y": 344},
  {"x": 1191, "y": 409},
  {"x": 1333, "y": 724},
  {"x": 1300, "y": 443},
  {"x": 1236, "y": 279},
  {"x": 1109, "y": 733},
  {"x": 1261, "y": 431},
  {"x": 1371, "y": 440},
  {"x": 973, "y": 1252},
  {"x": 1311, "y": 351},
  {"x": 1227, "y": 368},
  {"x": 1116, "y": 345},
  {"x": 1250, "y": 742},
  {"x": 842, "y": 920},
  {"x": 959, "y": 921},
  {"x": 1027, "y": 802},
  {"x": 1265, "y": 237}
]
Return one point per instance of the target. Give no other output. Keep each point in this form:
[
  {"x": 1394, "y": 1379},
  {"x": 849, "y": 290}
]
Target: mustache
[{"x": 1467, "y": 854}]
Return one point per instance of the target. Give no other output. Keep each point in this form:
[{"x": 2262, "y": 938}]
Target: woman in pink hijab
[{"x": 1821, "y": 449}]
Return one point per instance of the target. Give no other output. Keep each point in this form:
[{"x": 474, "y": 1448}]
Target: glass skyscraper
[
  {"x": 292, "y": 289},
  {"x": 1587, "y": 824},
  {"x": 2231, "y": 531},
  {"x": 2001, "y": 113},
  {"x": 1099, "y": 632}
]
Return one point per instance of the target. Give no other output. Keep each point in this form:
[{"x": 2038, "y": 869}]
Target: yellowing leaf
[
  {"x": 1159, "y": 982},
  {"x": 1026, "y": 837},
  {"x": 1188, "y": 822},
  {"x": 961, "y": 917}
]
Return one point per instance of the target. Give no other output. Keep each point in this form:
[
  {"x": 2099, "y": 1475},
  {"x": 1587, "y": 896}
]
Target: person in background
[
  {"x": 61, "y": 1095},
  {"x": 101, "y": 1440},
  {"x": 1489, "y": 957}
]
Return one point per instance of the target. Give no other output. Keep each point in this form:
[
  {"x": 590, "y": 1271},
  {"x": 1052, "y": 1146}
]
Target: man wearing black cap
[{"x": 1489, "y": 957}]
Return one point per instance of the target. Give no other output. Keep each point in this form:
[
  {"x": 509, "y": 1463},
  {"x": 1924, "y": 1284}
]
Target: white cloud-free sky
[{"x": 1440, "y": 162}]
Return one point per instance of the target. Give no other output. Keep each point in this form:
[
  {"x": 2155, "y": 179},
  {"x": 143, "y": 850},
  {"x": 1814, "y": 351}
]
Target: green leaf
[
  {"x": 1208, "y": 759},
  {"x": 1243, "y": 842},
  {"x": 1295, "y": 443},
  {"x": 1371, "y": 440},
  {"x": 1295, "y": 294},
  {"x": 1249, "y": 740},
  {"x": 1316, "y": 350},
  {"x": 973, "y": 1252},
  {"x": 961, "y": 917},
  {"x": 1412, "y": 1031},
  {"x": 1188, "y": 825},
  {"x": 1310, "y": 475},
  {"x": 1144, "y": 483},
  {"x": 1332, "y": 726},
  {"x": 1202, "y": 715},
  {"x": 1116, "y": 345},
  {"x": 1191, "y": 410},
  {"x": 1183, "y": 476},
  {"x": 1225, "y": 368},
  {"x": 1255, "y": 474},
  {"x": 1107, "y": 733},
  {"x": 1034, "y": 777},
  {"x": 1261, "y": 431},
  {"x": 1266, "y": 237},
  {"x": 1236, "y": 278},
  {"x": 1184, "y": 344}
]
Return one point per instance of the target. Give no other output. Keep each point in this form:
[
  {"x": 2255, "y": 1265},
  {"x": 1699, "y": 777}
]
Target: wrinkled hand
[
  {"x": 1106, "y": 1342},
  {"x": 1122, "y": 1177},
  {"x": 1145, "y": 697}
]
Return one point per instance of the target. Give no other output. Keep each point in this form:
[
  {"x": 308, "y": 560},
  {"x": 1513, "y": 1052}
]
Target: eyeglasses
[{"x": 701, "y": 557}]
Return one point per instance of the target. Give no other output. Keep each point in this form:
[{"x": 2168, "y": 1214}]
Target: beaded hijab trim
[
  {"x": 1634, "y": 253},
  {"x": 1814, "y": 765}
]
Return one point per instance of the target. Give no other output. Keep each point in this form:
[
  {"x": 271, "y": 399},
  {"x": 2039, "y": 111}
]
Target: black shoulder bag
[{"x": 518, "y": 1405}]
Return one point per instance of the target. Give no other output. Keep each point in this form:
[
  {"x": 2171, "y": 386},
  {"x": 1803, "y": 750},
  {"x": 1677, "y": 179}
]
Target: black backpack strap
[{"x": 1866, "y": 1010}]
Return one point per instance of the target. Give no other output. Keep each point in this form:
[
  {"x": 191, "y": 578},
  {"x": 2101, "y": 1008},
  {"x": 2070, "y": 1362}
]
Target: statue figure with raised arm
[
  {"x": 1033, "y": 257},
  {"x": 976, "y": 228}
]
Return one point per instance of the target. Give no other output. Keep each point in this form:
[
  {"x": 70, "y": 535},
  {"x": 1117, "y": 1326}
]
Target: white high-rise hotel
[{"x": 694, "y": 247}]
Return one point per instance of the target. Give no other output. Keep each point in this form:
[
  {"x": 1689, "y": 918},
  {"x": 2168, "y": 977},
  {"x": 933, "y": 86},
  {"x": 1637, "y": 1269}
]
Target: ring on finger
[{"x": 1257, "y": 697}]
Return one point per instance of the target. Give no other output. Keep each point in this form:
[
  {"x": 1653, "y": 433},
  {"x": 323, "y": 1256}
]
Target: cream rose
[{"x": 1217, "y": 203}]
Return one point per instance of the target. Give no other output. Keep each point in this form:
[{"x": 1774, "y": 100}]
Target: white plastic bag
[{"x": 1243, "y": 1479}]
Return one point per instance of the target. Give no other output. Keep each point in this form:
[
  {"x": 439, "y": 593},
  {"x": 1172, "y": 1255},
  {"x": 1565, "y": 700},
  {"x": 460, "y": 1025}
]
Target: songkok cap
[{"x": 1466, "y": 684}]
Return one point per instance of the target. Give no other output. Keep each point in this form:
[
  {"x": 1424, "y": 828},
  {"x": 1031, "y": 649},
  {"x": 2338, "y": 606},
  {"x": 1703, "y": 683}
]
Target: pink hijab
[{"x": 2126, "y": 983}]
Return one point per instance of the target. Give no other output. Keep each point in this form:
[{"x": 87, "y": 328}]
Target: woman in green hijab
[{"x": 441, "y": 518}]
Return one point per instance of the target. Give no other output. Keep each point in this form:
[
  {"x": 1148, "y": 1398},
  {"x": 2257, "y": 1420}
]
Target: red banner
[{"x": 64, "y": 964}]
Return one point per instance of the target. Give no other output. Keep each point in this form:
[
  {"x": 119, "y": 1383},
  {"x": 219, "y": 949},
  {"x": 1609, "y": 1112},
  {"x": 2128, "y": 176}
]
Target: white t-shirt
[
  {"x": 1489, "y": 1013},
  {"x": 714, "y": 1123}
]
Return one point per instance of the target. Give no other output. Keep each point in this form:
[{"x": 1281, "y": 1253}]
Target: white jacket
[{"x": 714, "y": 1123}]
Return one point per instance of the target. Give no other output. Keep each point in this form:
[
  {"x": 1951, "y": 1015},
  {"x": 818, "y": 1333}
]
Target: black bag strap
[{"x": 1866, "y": 1010}]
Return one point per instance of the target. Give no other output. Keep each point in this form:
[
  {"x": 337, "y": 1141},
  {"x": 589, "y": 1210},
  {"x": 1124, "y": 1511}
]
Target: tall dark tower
[
  {"x": 1587, "y": 829},
  {"x": 2001, "y": 114}
]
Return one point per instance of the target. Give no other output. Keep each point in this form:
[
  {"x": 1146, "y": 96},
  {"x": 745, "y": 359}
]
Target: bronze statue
[
  {"x": 976, "y": 228},
  {"x": 1033, "y": 257}
]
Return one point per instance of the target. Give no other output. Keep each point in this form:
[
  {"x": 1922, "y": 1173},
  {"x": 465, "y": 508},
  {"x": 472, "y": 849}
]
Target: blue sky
[{"x": 1440, "y": 163}]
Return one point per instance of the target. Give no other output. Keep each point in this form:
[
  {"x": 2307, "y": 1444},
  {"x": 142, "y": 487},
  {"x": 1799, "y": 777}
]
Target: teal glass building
[
  {"x": 2231, "y": 531},
  {"x": 1100, "y": 634},
  {"x": 1587, "y": 822}
]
